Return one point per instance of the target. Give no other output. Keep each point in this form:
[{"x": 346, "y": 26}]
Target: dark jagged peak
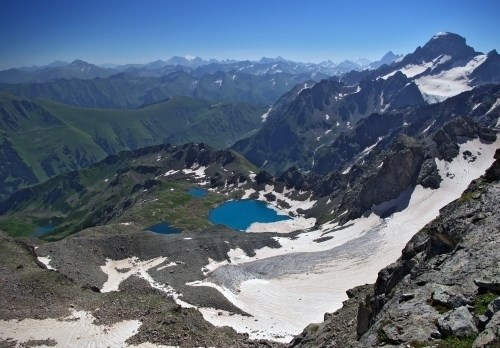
[
  {"x": 388, "y": 59},
  {"x": 440, "y": 45}
]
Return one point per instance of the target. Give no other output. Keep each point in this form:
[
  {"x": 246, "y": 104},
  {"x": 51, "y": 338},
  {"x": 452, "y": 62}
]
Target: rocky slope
[
  {"x": 387, "y": 153},
  {"x": 442, "y": 292},
  {"x": 45, "y": 300}
]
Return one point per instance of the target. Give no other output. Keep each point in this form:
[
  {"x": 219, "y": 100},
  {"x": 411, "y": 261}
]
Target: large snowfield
[{"x": 304, "y": 279}]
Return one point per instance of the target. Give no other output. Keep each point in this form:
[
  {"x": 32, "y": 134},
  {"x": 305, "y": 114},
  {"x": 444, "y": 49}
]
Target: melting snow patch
[
  {"x": 76, "y": 330},
  {"x": 370, "y": 148},
  {"x": 347, "y": 170},
  {"x": 196, "y": 170},
  {"x": 120, "y": 270},
  {"x": 476, "y": 106},
  {"x": 305, "y": 87},
  {"x": 494, "y": 106},
  {"x": 266, "y": 114},
  {"x": 425, "y": 130},
  {"x": 46, "y": 261},
  {"x": 170, "y": 172}
]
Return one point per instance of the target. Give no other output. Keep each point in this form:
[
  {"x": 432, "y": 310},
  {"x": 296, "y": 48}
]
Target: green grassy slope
[
  {"x": 122, "y": 188},
  {"x": 40, "y": 139}
]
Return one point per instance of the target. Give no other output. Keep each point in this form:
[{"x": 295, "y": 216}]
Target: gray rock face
[
  {"x": 448, "y": 296},
  {"x": 458, "y": 323}
]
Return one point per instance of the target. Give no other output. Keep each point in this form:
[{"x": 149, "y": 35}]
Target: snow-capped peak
[{"x": 440, "y": 34}]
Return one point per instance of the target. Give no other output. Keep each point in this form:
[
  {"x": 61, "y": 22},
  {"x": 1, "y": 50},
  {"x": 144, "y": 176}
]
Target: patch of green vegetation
[
  {"x": 173, "y": 204},
  {"x": 482, "y": 302},
  {"x": 456, "y": 342},
  {"x": 381, "y": 335},
  {"x": 313, "y": 328},
  {"x": 17, "y": 227},
  {"x": 469, "y": 196}
]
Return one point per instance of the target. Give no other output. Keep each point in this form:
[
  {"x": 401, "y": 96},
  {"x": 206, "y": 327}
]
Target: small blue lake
[
  {"x": 240, "y": 214},
  {"x": 163, "y": 228},
  {"x": 197, "y": 192},
  {"x": 39, "y": 231}
]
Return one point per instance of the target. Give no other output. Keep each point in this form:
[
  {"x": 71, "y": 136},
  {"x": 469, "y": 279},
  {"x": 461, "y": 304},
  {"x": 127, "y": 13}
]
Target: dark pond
[
  {"x": 163, "y": 228},
  {"x": 39, "y": 231},
  {"x": 197, "y": 192}
]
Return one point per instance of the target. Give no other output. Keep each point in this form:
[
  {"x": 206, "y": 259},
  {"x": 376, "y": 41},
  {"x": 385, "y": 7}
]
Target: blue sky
[{"x": 133, "y": 31}]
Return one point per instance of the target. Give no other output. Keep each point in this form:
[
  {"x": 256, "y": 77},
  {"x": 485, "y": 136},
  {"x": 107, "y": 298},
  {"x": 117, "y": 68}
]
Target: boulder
[
  {"x": 447, "y": 296},
  {"x": 458, "y": 323},
  {"x": 488, "y": 283}
]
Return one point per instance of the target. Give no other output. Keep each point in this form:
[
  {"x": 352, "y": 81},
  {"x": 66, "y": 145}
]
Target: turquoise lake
[
  {"x": 240, "y": 214},
  {"x": 163, "y": 228}
]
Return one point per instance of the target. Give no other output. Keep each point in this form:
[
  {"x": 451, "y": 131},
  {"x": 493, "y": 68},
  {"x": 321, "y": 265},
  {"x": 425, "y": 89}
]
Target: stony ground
[{"x": 29, "y": 290}]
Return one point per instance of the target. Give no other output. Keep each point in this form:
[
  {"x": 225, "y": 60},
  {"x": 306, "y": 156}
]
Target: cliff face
[{"x": 443, "y": 291}]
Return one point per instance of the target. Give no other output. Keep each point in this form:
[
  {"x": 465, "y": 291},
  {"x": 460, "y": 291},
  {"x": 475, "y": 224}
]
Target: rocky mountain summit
[
  {"x": 444, "y": 291},
  {"x": 302, "y": 126}
]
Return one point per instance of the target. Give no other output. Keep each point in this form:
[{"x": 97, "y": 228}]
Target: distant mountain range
[
  {"x": 133, "y": 89},
  {"x": 198, "y": 66},
  {"x": 301, "y": 123}
]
